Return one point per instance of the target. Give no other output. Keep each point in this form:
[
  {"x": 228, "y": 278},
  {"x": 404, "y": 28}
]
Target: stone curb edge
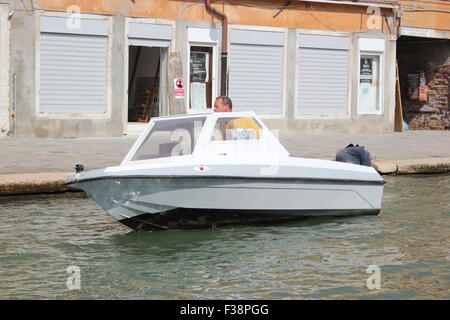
[
  {"x": 33, "y": 183},
  {"x": 429, "y": 165},
  {"x": 52, "y": 182}
]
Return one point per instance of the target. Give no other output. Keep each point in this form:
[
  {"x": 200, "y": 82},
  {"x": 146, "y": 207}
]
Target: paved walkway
[
  {"x": 42, "y": 165},
  {"x": 19, "y": 155}
]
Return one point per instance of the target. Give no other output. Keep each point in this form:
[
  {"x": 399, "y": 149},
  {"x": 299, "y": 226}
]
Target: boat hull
[
  {"x": 156, "y": 203},
  {"x": 182, "y": 218}
]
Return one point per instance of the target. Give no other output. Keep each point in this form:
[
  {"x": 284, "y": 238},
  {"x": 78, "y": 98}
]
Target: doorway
[
  {"x": 201, "y": 78},
  {"x": 424, "y": 74},
  {"x": 144, "y": 83},
  {"x": 369, "y": 84}
]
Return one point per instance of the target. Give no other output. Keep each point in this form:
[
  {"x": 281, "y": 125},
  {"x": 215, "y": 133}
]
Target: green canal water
[{"x": 316, "y": 258}]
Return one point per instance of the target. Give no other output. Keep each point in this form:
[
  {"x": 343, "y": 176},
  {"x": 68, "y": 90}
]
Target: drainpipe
[
  {"x": 224, "y": 57},
  {"x": 13, "y": 112}
]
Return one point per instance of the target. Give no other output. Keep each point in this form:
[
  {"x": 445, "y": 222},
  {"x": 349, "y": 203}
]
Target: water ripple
[{"x": 317, "y": 258}]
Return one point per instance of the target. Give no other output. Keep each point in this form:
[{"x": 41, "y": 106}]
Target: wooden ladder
[
  {"x": 398, "y": 124},
  {"x": 149, "y": 103}
]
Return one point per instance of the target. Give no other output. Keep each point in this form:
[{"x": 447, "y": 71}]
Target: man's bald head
[{"x": 223, "y": 104}]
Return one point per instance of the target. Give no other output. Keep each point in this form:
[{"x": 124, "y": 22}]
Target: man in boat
[
  {"x": 223, "y": 104},
  {"x": 354, "y": 154},
  {"x": 237, "y": 128}
]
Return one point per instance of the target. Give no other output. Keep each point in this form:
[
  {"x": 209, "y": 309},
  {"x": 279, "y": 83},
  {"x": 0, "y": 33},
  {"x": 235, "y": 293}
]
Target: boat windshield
[{"x": 170, "y": 138}]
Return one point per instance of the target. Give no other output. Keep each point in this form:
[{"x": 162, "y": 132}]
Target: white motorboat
[{"x": 206, "y": 170}]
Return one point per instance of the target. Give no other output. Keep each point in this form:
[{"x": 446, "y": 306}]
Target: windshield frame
[{"x": 148, "y": 130}]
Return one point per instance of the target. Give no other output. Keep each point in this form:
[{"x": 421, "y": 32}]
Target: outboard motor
[
  {"x": 354, "y": 154},
  {"x": 79, "y": 168}
]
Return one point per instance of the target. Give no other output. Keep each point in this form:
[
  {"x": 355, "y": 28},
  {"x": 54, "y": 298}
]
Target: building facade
[{"x": 74, "y": 68}]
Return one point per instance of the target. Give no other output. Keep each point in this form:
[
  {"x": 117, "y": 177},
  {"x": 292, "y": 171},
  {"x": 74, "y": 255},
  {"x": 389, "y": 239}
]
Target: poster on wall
[
  {"x": 198, "y": 95},
  {"x": 423, "y": 88},
  {"x": 366, "y": 70},
  {"x": 199, "y": 66},
  {"x": 413, "y": 85}
]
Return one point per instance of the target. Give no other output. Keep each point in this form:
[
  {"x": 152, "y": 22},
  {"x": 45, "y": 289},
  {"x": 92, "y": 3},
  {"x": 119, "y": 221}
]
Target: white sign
[
  {"x": 416, "y": 32},
  {"x": 178, "y": 85},
  {"x": 425, "y": 33},
  {"x": 198, "y": 95}
]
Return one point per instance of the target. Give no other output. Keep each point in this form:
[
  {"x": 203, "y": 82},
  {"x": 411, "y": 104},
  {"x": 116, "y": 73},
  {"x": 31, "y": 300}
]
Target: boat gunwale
[{"x": 369, "y": 182}]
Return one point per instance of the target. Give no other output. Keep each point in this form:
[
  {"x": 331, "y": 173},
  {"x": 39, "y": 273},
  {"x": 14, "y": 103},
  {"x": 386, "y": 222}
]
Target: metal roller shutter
[
  {"x": 149, "y": 35},
  {"x": 322, "y": 75},
  {"x": 73, "y": 71},
  {"x": 256, "y": 71}
]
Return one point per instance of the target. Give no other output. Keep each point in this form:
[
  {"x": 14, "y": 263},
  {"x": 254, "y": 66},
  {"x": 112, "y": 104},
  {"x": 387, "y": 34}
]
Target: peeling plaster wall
[
  {"x": 432, "y": 57},
  {"x": 428, "y": 14},
  {"x": 316, "y": 16}
]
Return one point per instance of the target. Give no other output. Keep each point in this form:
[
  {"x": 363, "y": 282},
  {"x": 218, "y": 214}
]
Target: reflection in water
[{"x": 316, "y": 258}]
